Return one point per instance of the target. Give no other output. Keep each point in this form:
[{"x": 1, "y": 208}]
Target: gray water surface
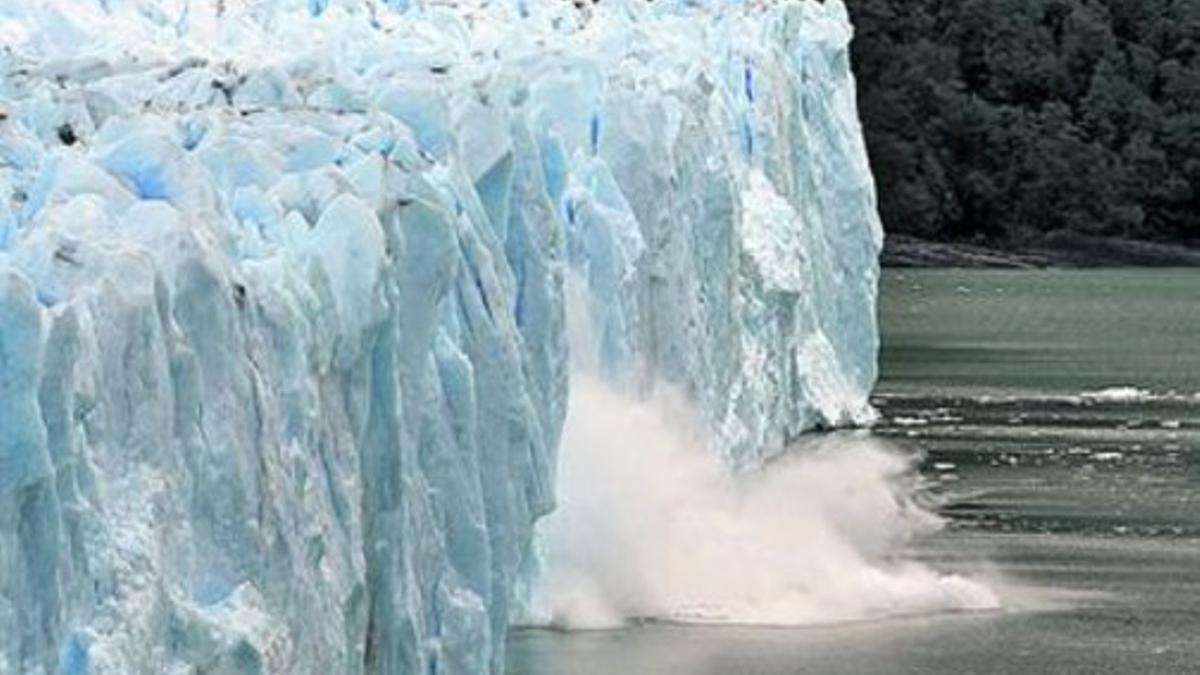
[{"x": 1080, "y": 499}]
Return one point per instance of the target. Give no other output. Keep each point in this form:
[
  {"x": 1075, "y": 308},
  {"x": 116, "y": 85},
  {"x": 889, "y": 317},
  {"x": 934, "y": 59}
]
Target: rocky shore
[{"x": 1059, "y": 249}]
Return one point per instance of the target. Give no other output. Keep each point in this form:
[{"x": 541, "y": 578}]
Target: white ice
[{"x": 283, "y": 346}]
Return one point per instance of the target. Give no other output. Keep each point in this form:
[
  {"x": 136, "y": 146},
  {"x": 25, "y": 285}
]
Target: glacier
[{"x": 284, "y": 292}]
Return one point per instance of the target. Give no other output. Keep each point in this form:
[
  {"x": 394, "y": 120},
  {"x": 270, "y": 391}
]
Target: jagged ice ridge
[{"x": 283, "y": 289}]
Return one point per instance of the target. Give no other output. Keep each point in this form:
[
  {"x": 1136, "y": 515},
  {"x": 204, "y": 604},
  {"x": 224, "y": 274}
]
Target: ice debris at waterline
[
  {"x": 283, "y": 348},
  {"x": 651, "y": 526}
]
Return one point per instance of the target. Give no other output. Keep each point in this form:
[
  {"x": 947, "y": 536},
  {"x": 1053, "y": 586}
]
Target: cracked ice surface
[{"x": 283, "y": 348}]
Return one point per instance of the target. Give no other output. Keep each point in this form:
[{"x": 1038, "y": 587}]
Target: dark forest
[{"x": 1012, "y": 122}]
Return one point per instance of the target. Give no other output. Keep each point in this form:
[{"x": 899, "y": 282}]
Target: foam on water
[{"x": 1124, "y": 394}]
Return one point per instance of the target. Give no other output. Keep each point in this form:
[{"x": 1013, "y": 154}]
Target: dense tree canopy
[{"x": 1009, "y": 119}]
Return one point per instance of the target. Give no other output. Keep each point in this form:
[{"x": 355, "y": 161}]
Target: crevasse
[{"x": 283, "y": 348}]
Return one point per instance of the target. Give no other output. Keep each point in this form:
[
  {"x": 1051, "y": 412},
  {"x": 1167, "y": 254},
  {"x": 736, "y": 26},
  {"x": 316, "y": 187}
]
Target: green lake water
[{"x": 1057, "y": 414}]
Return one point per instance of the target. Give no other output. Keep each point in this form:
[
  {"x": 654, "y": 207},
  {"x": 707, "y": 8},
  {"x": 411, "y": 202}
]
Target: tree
[{"x": 1009, "y": 119}]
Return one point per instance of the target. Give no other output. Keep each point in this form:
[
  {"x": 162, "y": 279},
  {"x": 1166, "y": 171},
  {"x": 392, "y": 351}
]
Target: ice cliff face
[{"x": 283, "y": 289}]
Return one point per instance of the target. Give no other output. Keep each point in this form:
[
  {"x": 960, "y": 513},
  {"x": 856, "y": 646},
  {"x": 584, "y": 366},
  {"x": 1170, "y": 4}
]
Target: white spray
[{"x": 651, "y": 525}]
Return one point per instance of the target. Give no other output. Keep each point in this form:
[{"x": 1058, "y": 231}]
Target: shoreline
[{"x": 1057, "y": 250}]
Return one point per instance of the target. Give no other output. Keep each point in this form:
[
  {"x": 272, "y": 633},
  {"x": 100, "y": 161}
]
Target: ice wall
[{"x": 283, "y": 346}]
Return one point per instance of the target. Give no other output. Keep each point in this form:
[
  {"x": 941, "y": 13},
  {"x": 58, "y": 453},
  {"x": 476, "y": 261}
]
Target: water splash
[{"x": 652, "y": 525}]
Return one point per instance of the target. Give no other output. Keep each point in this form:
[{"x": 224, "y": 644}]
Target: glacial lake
[{"x": 1058, "y": 417}]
